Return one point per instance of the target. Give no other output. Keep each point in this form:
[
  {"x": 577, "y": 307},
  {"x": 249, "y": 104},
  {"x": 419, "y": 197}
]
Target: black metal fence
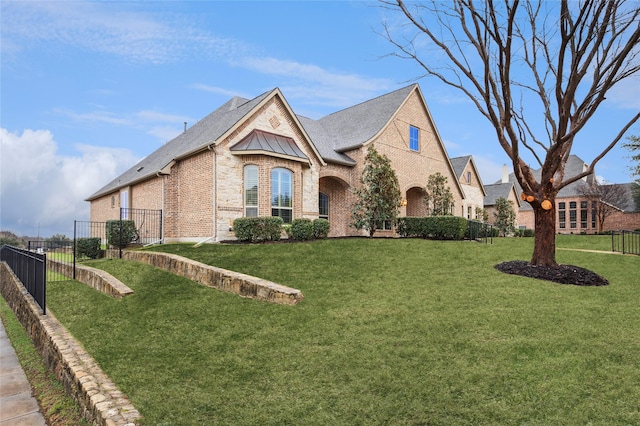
[
  {"x": 481, "y": 231},
  {"x": 30, "y": 268},
  {"x": 57, "y": 251},
  {"x": 148, "y": 225},
  {"x": 626, "y": 242}
]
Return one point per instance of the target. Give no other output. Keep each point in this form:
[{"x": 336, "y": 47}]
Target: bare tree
[
  {"x": 521, "y": 62},
  {"x": 606, "y": 199}
]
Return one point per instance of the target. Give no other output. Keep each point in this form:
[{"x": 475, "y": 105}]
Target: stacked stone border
[
  {"x": 221, "y": 279},
  {"x": 96, "y": 278},
  {"x": 98, "y": 397}
]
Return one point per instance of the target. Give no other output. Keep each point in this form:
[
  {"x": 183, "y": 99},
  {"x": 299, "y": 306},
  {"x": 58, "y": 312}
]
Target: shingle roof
[
  {"x": 331, "y": 135},
  {"x": 459, "y": 164},
  {"x": 353, "y": 126},
  {"x": 497, "y": 190},
  {"x": 198, "y": 136}
]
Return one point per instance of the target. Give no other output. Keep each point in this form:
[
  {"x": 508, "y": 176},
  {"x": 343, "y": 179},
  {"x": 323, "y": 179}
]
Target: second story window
[{"x": 414, "y": 138}]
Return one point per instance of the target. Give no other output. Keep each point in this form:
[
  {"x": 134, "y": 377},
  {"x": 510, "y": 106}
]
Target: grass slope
[{"x": 390, "y": 332}]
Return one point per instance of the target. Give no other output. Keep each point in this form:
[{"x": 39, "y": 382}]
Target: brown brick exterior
[{"x": 616, "y": 222}]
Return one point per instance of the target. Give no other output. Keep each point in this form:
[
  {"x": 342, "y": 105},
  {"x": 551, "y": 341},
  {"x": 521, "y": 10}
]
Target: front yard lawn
[{"x": 402, "y": 331}]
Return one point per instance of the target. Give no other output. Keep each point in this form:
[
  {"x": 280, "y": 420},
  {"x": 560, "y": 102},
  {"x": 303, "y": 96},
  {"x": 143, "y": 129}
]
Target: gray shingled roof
[
  {"x": 495, "y": 191},
  {"x": 331, "y": 135},
  {"x": 459, "y": 163},
  {"x": 198, "y": 136}
]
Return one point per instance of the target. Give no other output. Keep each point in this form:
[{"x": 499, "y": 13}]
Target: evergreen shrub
[
  {"x": 256, "y": 229},
  {"x": 88, "y": 247},
  {"x": 121, "y": 233}
]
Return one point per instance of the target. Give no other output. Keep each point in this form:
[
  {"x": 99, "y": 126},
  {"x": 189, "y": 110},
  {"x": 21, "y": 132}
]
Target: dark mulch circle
[{"x": 562, "y": 274}]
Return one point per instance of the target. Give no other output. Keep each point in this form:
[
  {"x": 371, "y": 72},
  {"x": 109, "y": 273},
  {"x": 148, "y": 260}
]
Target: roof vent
[{"x": 185, "y": 127}]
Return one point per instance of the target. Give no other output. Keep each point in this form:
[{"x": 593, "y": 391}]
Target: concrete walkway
[{"x": 17, "y": 406}]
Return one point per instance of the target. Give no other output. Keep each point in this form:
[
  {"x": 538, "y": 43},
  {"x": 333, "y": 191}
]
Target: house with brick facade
[
  {"x": 576, "y": 213},
  {"x": 256, "y": 157},
  {"x": 494, "y": 192},
  {"x": 471, "y": 183}
]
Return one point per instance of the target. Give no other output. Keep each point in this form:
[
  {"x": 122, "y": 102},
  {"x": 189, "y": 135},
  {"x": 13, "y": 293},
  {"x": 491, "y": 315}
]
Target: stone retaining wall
[
  {"x": 222, "y": 279},
  {"x": 100, "y": 400},
  {"x": 96, "y": 278}
]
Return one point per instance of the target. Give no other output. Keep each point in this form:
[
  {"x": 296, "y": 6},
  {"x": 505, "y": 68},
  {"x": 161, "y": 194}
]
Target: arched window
[
  {"x": 282, "y": 194},
  {"x": 323, "y": 206},
  {"x": 251, "y": 191}
]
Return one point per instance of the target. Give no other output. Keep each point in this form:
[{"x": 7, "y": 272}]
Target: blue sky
[{"x": 89, "y": 88}]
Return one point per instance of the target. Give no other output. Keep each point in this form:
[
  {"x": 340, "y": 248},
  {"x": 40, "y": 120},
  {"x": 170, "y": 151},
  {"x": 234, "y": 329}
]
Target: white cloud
[
  {"x": 120, "y": 29},
  {"x": 217, "y": 90},
  {"x": 314, "y": 84},
  {"x": 42, "y": 190}
]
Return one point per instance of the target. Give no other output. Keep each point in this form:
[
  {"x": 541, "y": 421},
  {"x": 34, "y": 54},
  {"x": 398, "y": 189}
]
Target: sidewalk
[{"x": 17, "y": 406}]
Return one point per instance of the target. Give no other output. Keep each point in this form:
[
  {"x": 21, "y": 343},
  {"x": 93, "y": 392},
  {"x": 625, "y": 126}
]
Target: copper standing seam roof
[{"x": 261, "y": 142}]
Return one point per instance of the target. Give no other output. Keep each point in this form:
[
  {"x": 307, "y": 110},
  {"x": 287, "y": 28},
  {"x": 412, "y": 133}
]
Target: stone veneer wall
[
  {"x": 96, "y": 278},
  {"x": 210, "y": 276},
  {"x": 100, "y": 400}
]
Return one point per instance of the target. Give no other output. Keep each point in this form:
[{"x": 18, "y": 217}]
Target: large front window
[
  {"x": 251, "y": 191},
  {"x": 282, "y": 194}
]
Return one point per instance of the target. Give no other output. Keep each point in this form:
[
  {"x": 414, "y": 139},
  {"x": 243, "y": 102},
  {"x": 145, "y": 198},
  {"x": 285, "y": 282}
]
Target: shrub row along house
[{"x": 256, "y": 157}]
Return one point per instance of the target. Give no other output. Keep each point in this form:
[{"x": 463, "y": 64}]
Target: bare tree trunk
[{"x": 544, "y": 250}]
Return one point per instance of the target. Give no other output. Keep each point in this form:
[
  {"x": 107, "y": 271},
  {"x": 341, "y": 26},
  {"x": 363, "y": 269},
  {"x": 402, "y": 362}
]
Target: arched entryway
[
  {"x": 415, "y": 206},
  {"x": 334, "y": 204}
]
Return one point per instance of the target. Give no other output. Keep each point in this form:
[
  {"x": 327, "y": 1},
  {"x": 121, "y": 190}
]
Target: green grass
[
  {"x": 56, "y": 406},
  {"x": 402, "y": 331}
]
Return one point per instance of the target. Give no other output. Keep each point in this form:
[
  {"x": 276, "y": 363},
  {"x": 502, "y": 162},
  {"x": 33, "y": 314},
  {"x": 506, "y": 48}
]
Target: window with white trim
[
  {"x": 282, "y": 194},
  {"x": 251, "y": 191},
  {"x": 414, "y": 138}
]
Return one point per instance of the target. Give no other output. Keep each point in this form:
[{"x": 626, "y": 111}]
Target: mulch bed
[{"x": 561, "y": 274}]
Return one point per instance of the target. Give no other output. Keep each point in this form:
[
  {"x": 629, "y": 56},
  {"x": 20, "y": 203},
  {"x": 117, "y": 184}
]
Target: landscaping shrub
[
  {"x": 302, "y": 229},
  {"x": 436, "y": 227},
  {"x": 121, "y": 233},
  {"x": 320, "y": 228},
  {"x": 88, "y": 247},
  {"x": 255, "y": 229}
]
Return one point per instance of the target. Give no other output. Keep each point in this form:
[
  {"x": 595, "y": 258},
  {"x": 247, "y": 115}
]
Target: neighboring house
[
  {"x": 504, "y": 189},
  {"x": 256, "y": 157},
  {"x": 474, "y": 191},
  {"x": 575, "y": 213}
]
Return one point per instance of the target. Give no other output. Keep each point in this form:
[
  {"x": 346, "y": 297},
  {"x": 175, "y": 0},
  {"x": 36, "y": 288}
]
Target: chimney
[{"x": 505, "y": 174}]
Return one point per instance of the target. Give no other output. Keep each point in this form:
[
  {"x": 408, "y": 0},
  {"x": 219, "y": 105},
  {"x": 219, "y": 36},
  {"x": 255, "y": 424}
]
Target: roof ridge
[{"x": 368, "y": 101}]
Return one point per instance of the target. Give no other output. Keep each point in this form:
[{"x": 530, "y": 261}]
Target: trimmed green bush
[
  {"x": 256, "y": 229},
  {"x": 88, "y": 247},
  {"x": 320, "y": 228},
  {"x": 302, "y": 229},
  {"x": 435, "y": 227},
  {"x": 121, "y": 233}
]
